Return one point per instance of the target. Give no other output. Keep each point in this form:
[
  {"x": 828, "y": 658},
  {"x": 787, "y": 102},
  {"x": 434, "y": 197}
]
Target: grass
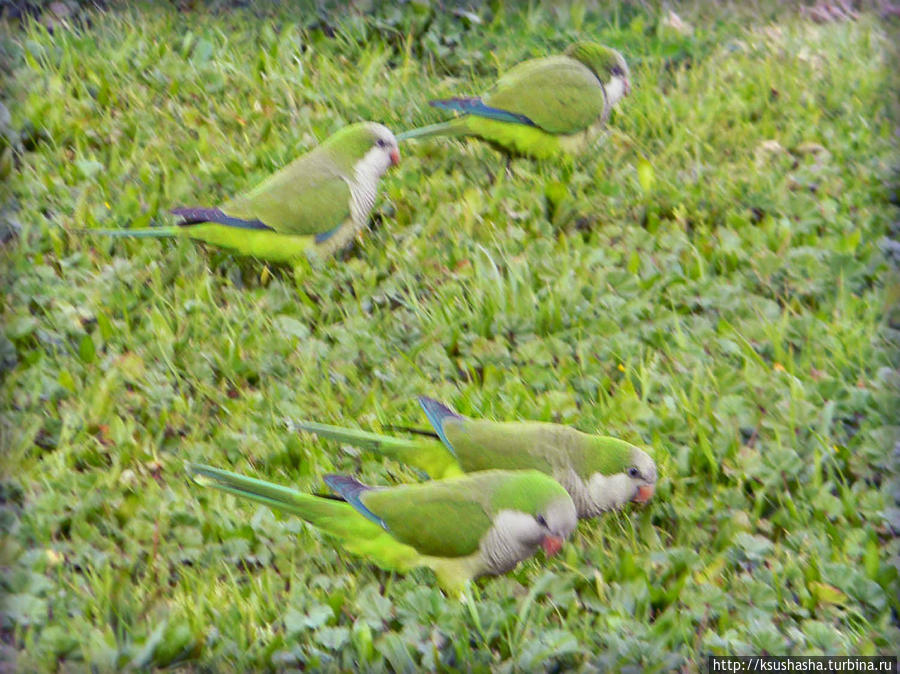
[{"x": 710, "y": 284}]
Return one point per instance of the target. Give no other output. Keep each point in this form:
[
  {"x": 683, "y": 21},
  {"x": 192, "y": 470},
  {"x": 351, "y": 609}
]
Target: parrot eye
[
  {"x": 381, "y": 142},
  {"x": 540, "y": 520},
  {"x": 633, "y": 472},
  {"x": 617, "y": 71}
]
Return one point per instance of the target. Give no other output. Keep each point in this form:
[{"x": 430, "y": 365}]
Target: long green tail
[
  {"x": 309, "y": 507},
  {"x": 426, "y": 454},
  {"x": 337, "y": 518},
  {"x": 145, "y": 233},
  {"x": 455, "y": 127}
]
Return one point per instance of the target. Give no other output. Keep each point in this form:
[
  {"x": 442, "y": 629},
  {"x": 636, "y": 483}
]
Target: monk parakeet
[
  {"x": 313, "y": 206},
  {"x": 461, "y": 528},
  {"x": 600, "y": 473},
  {"x": 542, "y": 107}
]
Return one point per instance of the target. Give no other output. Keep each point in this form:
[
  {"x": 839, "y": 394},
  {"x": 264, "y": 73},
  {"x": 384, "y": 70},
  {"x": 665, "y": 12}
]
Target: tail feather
[
  {"x": 140, "y": 233},
  {"x": 414, "y": 431},
  {"x": 455, "y": 127},
  {"x": 334, "y": 517},
  {"x": 289, "y": 500},
  {"x": 426, "y": 454},
  {"x": 373, "y": 442},
  {"x": 190, "y": 216}
]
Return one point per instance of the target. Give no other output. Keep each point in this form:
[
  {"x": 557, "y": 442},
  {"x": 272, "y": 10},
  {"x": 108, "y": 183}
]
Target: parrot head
[
  {"x": 368, "y": 147},
  {"x": 556, "y": 522},
  {"x": 534, "y": 511},
  {"x": 642, "y": 474},
  {"x": 607, "y": 64},
  {"x": 547, "y": 526},
  {"x": 623, "y": 473}
]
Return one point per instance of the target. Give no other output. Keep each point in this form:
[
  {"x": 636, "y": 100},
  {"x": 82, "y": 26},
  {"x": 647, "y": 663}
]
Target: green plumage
[
  {"x": 561, "y": 95},
  {"x": 440, "y": 524},
  {"x": 542, "y": 107},
  {"x": 477, "y": 444},
  {"x": 310, "y": 196},
  {"x": 313, "y": 206},
  {"x": 482, "y": 444},
  {"x": 464, "y": 446}
]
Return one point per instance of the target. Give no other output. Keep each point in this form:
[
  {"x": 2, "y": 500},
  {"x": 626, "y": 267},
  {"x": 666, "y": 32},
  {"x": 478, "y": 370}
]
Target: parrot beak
[
  {"x": 644, "y": 492},
  {"x": 551, "y": 545},
  {"x": 395, "y": 157},
  {"x": 627, "y": 86}
]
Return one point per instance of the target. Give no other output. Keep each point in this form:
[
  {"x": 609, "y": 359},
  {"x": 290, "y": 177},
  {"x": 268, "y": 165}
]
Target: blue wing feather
[
  {"x": 437, "y": 413},
  {"x": 475, "y": 106},
  {"x": 350, "y": 489},
  {"x": 324, "y": 236},
  {"x": 196, "y": 216}
]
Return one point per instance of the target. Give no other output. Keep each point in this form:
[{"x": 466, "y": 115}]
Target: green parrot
[
  {"x": 599, "y": 472},
  {"x": 460, "y": 528},
  {"x": 312, "y": 207},
  {"x": 542, "y": 107}
]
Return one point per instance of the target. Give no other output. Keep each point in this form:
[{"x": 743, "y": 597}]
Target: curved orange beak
[
  {"x": 551, "y": 545},
  {"x": 644, "y": 492},
  {"x": 627, "y": 86},
  {"x": 395, "y": 157}
]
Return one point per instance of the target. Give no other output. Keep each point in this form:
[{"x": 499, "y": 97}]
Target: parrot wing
[
  {"x": 309, "y": 196},
  {"x": 439, "y": 519},
  {"x": 485, "y": 445},
  {"x": 558, "y": 94},
  {"x": 438, "y": 413}
]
